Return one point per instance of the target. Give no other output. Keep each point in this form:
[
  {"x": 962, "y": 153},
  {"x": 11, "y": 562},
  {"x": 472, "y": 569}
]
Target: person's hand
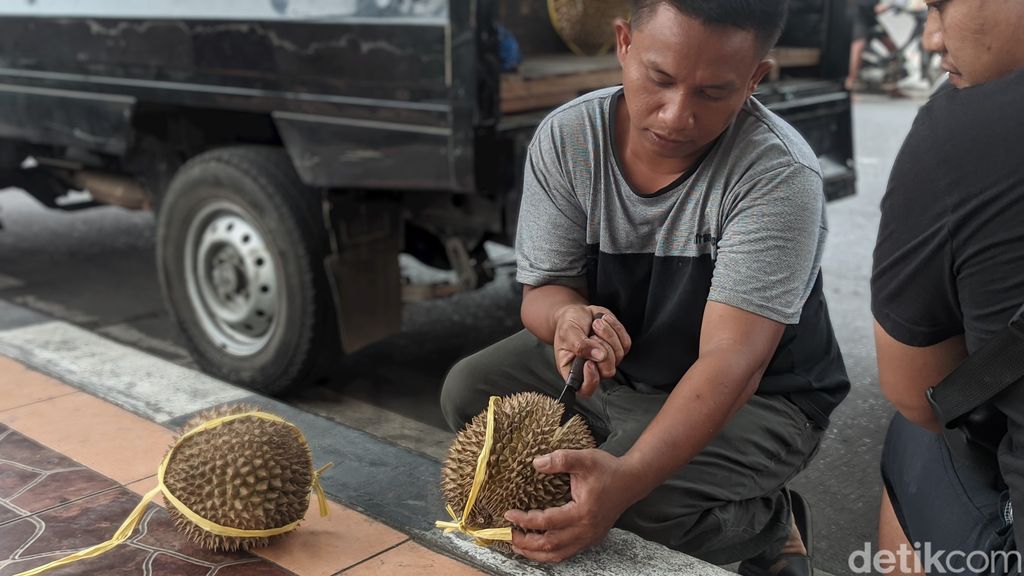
[
  {"x": 601, "y": 491},
  {"x": 604, "y": 349}
]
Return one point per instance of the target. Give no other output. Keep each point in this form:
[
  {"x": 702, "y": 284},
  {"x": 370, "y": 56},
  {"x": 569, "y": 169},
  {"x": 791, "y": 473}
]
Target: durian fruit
[
  {"x": 586, "y": 26},
  {"x": 526, "y": 425},
  {"x": 250, "y": 473}
]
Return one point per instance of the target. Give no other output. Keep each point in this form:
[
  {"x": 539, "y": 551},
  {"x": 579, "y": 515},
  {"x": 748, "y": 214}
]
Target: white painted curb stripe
[
  {"x": 149, "y": 386},
  {"x": 622, "y": 554}
]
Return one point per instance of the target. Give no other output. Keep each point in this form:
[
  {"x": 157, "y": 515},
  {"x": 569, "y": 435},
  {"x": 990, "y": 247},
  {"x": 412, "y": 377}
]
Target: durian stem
[{"x": 319, "y": 490}]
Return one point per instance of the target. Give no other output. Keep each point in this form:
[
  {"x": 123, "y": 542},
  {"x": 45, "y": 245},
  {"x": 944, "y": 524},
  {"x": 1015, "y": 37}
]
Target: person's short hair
[{"x": 766, "y": 18}]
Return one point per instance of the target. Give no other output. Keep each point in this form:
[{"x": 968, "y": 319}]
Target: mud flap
[{"x": 363, "y": 269}]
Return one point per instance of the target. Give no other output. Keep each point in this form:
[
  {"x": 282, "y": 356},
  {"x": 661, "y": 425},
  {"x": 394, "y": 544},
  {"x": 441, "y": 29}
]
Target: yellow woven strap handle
[
  {"x": 482, "y": 536},
  {"x": 133, "y": 519}
]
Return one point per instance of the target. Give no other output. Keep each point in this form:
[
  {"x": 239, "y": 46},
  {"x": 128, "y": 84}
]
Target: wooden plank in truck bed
[
  {"x": 791, "y": 57},
  {"x": 550, "y": 80}
]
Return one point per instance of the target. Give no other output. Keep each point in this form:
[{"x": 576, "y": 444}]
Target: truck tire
[{"x": 240, "y": 251}]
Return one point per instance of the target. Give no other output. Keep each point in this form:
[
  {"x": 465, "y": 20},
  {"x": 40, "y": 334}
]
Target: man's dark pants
[
  {"x": 943, "y": 502},
  {"x": 726, "y": 505}
]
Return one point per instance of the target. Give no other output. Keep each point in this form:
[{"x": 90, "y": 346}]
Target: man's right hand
[{"x": 604, "y": 349}]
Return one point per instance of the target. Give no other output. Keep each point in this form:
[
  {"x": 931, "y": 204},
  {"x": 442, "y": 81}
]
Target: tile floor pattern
[
  {"x": 51, "y": 506},
  {"x": 73, "y": 466}
]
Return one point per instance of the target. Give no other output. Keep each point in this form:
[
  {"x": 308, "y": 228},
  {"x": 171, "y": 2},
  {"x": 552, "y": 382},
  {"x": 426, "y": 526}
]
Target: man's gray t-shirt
[{"x": 745, "y": 226}]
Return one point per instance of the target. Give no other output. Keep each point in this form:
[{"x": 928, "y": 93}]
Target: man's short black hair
[{"x": 765, "y": 18}]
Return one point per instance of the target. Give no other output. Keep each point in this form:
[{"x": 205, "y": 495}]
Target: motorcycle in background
[{"x": 911, "y": 65}]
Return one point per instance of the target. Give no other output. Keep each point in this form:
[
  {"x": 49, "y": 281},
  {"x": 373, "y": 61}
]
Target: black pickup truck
[{"x": 292, "y": 149}]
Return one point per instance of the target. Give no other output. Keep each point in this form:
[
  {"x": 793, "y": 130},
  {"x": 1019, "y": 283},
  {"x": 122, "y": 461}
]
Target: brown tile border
[
  {"x": 20, "y": 386},
  {"x": 325, "y": 546},
  {"x": 112, "y": 441},
  {"x": 411, "y": 559}
]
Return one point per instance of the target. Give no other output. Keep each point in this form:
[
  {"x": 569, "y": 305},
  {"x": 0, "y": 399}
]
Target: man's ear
[
  {"x": 623, "y": 38},
  {"x": 760, "y": 72}
]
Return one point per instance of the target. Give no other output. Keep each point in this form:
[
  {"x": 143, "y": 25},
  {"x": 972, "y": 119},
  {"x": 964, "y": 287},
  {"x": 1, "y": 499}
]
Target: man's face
[
  {"x": 684, "y": 81},
  {"x": 980, "y": 40}
]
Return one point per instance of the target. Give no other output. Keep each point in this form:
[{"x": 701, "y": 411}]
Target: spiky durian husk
[
  {"x": 526, "y": 425},
  {"x": 588, "y": 23},
  {"x": 249, "y": 473}
]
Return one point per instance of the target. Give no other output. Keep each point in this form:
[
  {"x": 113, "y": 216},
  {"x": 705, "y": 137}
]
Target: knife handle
[{"x": 575, "y": 379}]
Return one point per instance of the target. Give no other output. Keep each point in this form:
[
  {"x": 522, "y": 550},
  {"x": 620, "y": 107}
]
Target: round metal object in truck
[
  {"x": 240, "y": 249},
  {"x": 587, "y": 26}
]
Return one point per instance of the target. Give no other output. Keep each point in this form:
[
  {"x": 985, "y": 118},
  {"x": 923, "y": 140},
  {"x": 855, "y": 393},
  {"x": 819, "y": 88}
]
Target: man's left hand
[{"x": 600, "y": 491}]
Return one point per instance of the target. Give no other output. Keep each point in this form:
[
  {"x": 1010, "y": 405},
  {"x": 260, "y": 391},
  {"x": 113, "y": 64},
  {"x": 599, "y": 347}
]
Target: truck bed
[{"x": 548, "y": 80}]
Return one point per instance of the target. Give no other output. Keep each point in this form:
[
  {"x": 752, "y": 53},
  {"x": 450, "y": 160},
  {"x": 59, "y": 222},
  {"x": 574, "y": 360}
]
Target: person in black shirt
[{"x": 949, "y": 274}]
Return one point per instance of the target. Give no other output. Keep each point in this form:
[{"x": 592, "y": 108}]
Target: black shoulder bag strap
[{"x": 986, "y": 373}]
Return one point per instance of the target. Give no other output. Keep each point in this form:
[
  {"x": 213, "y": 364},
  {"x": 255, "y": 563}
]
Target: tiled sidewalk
[{"x": 73, "y": 466}]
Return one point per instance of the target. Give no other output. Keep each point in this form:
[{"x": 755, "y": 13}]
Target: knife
[{"x": 575, "y": 379}]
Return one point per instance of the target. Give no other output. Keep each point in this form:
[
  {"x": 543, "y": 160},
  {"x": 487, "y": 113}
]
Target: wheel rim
[{"x": 232, "y": 279}]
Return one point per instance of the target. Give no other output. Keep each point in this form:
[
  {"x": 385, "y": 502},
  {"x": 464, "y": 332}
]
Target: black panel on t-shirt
[{"x": 667, "y": 297}]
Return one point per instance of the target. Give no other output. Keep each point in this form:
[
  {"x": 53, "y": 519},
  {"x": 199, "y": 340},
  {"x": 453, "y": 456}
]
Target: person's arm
[
  {"x": 542, "y": 305},
  {"x": 915, "y": 297},
  {"x": 905, "y": 373},
  {"x": 735, "y": 349}
]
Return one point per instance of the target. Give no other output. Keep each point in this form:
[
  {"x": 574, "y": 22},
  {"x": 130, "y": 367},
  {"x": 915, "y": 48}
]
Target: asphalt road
[{"x": 96, "y": 269}]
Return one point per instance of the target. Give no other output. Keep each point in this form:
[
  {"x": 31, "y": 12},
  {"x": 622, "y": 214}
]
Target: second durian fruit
[
  {"x": 250, "y": 473},
  {"x": 526, "y": 425}
]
